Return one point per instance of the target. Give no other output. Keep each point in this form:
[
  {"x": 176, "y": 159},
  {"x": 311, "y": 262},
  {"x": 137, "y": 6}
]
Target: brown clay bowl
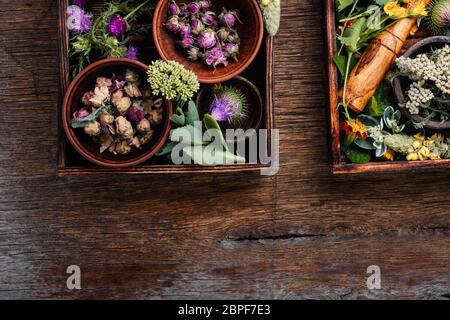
[
  {"x": 251, "y": 32},
  {"x": 82, "y": 143},
  {"x": 255, "y": 104},
  {"x": 401, "y": 84}
]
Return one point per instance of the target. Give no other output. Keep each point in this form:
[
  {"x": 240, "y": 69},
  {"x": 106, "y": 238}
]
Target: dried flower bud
[
  {"x": 173, "y": 24},
  {"x": 231, "y": 50},
  {"x": 205, "y": 5},
  {"x": 92, "y": 129},
  {"x": 155, "y": 117},
  {"x": 233, "y": 37},
  {"x": 174, "y": 9},
  {"x": 124, "y": 128},
  {"x": 132, "y": 77},
  {"x": 103, "y": 82},
  {"x": 207, "y": 39},
  {"x": 133, "y": 91},
  {"x": 106, "y": 118},
  {"x": 143, "y": 126},
  {"x": 185, "y": 31},
  {"x": 122, "y": 104},
  {"x": 223, "y": 33},
  {"x": 146, "y": 138},
  {"x": 228, "y": 18},
  {"x": 101, "y": 94},
  {"x": 86, "y": 99},
  {"x": 120, "y": 147},
  {"x": 197, "y": 26},
  {"x": 186, "y": 43},
  {"x": 117, "y": 26},
  {"x": 216, "y": 57},
  {"x": 193, "y": 8},
  {"x": 81, "y": 114},
  {"x": 209, "y": 18},
  {"x": 135, "y": 114},
  {"x": 193, "y": 53},
  {"x": 135, "y": 142}
]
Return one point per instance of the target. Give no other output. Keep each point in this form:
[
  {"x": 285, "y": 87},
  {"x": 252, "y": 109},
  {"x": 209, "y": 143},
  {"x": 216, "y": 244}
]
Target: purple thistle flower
[
  {"x": 117, "y": 26},
  {"x": 132, "y": 53},
  {"x": 222, "y": 109},
  {"x": 78, "y": 21},
  {"x": 207, "y": 39},
  {"x": 215, "y": 58},
  {"x": 80, "y": 3}
]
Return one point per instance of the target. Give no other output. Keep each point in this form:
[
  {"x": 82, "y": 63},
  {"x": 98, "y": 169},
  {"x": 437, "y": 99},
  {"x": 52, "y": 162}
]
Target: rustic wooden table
[{"x": 300, "y": 234}]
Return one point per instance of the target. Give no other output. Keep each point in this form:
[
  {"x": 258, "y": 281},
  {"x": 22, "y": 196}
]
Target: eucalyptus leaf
[
  {"x": 192, "y": 114},
  {"x": 212, "y": 124},
  {"x": 367, "y": 144},
  {"x": 195, "y": 135},
  {"x": 92, "y": 117},
  {"x": 201, "y": 157},
  {"x": 167, "y": 149}
]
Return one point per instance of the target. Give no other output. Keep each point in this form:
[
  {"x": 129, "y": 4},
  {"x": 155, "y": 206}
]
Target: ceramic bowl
[
  {"x": 83, "y": 144},
  {"x": 251, "y": 32}
]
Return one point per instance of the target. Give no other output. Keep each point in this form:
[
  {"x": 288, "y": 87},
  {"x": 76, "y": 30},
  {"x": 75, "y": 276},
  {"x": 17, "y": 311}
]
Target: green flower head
[{"x": 172, "y": 80}]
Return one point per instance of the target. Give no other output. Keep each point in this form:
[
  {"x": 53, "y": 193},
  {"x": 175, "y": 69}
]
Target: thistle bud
[
  {"x": 173, "y": 24},
  {"x": 174, "y": 9},
  {"x": 209, "y": 18},
  {"x": 207, "y": 39}
]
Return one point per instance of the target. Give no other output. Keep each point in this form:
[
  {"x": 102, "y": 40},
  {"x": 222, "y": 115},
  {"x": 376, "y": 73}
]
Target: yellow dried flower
[
  {"x": 395, "y": 11},
  {"x": 389, "y": 155}
]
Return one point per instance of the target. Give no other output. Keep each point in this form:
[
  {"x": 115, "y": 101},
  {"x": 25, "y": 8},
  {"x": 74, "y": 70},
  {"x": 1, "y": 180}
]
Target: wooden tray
[
  {"x": 70, "y": 163},
  {"x": 339, "y": 164}
]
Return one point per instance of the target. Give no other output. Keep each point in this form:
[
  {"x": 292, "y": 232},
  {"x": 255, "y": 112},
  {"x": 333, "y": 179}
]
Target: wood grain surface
[{"x": 303, "y": 233}]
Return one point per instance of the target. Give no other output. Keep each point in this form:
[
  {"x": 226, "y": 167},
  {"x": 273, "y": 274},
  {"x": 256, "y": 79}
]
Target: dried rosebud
[
  {"x": 86, "y": 99},
  {"x": 135, "y": 114},
  {"x": 174, "y": 9},
  {"x": 186, "y": 42},
  {"x": 183, "y": 11},
  {"x": 101, "y": 94},
  {"x": 185, "y": 31},
  {"x": 124, "y": 128},
  {"x": 197, "y": 26},
  {"x": 193, "y": 8},
  {"x": 223, "y": 33},
  {"x": 81, "y": 114},
  {"x": 233, "y": 37},
  {"x": 204, "y": 5},
  {"x": 120, "y": 147},
  {"x": 133, "y": 91},
  {"x": 215, "y": 58},
  {"x": 173, "y": 24},
  {"x": 104, "y": 82},
  {"x": 193, "y": 53},
  {"x": 207, "y": 39},
  {"x": 155, "y": 117},
  {"x": 122, "y": 104},
  {"x": 92, "y": 129},
  {"x": 231, "y": 50},
  {"x": 132, "y": 77},
  {"x": 146, "y": 138},
  {"x": 209, "y": 18},
  {"x": 228, "y": 18},
  {"x": 106, "y": 118},
  {"x": 136, "y": 143},
  {"x": 143, "y": 126}
]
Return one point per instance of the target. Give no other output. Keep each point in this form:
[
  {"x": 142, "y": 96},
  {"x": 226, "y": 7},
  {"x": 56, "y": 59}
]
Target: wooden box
[
  {"x": 70, "y": 163},
  {"x": 339, "y": 163}
]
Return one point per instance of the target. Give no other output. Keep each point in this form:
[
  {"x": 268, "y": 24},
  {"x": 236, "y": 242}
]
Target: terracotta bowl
[
  {"x": 251, "y": 32},
  {"x": 84, "y": 145},
  {"x": 255, "y": 104},
  {"x": 401, "y": 84}
]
